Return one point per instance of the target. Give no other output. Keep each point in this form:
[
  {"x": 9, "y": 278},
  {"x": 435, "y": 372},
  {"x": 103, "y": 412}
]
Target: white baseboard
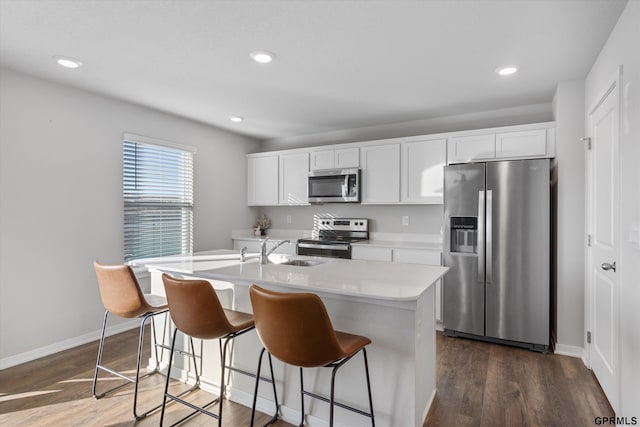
[
  {"x": 47, "y": 350},
  {"x": 426, "y": 411},
  {"x": 570, "y": 350}
]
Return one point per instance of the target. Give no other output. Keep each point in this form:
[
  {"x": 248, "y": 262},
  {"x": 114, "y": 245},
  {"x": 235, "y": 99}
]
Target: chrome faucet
[
  {"x": 243, "y": 253},
  {"x": 264, "y": 254}
]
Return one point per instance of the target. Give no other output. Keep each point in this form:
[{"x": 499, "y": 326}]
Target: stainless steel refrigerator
[{"x": 497, "y": 244}]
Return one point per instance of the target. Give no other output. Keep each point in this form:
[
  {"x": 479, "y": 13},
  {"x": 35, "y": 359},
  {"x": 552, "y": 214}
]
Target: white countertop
[
  {"x": 395, "y": 244},
  {"x": 365, "y": 279}
]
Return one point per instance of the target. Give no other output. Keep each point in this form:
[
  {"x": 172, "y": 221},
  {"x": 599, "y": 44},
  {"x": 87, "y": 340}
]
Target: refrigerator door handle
[
  {"x": 480, "y": 242},
  {"x": 489, "y": 234}
]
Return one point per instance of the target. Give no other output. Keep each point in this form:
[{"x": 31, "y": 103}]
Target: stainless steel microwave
[{"x": 334, "y": 186}]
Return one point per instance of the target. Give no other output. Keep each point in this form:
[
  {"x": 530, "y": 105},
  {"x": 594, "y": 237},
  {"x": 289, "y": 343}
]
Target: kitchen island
[{"x": 391, "y": 303}]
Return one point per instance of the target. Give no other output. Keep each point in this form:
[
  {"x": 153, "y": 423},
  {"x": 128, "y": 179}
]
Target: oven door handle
[{"x": 333, "y": 247}]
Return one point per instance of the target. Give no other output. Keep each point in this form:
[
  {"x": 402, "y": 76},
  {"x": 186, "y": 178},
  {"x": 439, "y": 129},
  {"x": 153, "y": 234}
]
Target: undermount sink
[{"x": 301, "y": 262}]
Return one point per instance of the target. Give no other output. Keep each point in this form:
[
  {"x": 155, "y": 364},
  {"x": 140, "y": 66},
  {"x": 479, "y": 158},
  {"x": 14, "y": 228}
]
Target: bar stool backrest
[
  {"x": 195, "y": 308},
  {"x": 120, "y": 291},
  {"x": 294, "y": 327}
]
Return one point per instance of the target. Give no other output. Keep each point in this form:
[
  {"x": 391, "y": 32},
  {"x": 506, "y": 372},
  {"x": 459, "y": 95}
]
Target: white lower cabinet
[{"x": 409, "y": 256}]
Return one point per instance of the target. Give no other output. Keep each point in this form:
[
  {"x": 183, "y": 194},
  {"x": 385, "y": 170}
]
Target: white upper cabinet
[
  {"x": 294, "y": 174},
  {"x": 422, "y": 170},
  {"x": 520, "y": 144},
  {"x": 339, "y": 158},
  {"x": 515, "y": 142},
  {"x": 405, "y": 170},
  {"x": 262, "y": 181},
  {"x": 380, "y": 173},
  {"x": 469, "y": 148}
]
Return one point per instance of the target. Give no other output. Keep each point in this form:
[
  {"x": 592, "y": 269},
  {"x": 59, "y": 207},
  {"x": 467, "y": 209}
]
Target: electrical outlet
[
  {"x": 405, "y": 220},
  {"x": 288, "y": 219}
]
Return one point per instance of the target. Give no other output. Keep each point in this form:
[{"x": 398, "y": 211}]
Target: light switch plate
[{"x": 405, "y": 220}]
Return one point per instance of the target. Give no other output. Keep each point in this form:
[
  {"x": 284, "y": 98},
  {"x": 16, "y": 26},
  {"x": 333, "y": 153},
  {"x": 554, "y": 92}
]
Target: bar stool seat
[
  {"x": 197, "y": 312},
  {"x": 296, "y": 329},
  {"x": 122, "y": 296}
]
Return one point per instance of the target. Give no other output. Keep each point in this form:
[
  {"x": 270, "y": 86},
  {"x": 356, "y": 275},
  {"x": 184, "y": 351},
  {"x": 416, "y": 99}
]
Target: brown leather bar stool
[
  {"x": 296, "y": 329},
  {"x": 196, "y": 312},
  {"x": 121, "y": 296}
]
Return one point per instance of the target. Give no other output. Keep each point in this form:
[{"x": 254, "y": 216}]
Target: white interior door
[{"x": 602, "y": 220}]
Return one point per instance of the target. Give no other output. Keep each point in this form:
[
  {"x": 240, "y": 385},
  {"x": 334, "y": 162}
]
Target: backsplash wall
[{"x": 423, "y": 219}]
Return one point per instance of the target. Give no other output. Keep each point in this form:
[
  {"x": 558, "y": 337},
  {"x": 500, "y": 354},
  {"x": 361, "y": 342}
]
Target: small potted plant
[{"x": 262, "y": 224}]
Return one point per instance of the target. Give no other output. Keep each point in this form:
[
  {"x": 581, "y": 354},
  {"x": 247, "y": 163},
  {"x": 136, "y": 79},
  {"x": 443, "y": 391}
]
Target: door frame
[{"x": 614, "y": 86}]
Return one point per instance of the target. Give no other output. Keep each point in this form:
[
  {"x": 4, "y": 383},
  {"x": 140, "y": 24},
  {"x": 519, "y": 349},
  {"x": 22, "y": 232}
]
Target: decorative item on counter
[{"x": 262, "y": 223}]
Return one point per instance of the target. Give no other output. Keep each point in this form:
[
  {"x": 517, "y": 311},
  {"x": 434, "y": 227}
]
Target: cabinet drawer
[
  {"x": 416, "y": 256},
  {"x": 371, "y": 254}
]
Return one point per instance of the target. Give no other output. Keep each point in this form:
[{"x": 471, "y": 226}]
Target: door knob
[{"x": 606, "y": 266}]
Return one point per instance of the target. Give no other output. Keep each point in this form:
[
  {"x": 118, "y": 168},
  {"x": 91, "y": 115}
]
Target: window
[{"x": 158, "y": 198}]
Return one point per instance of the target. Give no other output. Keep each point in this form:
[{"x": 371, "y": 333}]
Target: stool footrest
[
  {"x": 247, "y": 373},
  {"x": 338, "y": 404}
]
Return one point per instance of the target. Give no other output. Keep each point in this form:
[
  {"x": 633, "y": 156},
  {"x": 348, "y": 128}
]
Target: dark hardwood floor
[
  {"x": 484, "y": 384},
  {"x": 479, "y": 384}
]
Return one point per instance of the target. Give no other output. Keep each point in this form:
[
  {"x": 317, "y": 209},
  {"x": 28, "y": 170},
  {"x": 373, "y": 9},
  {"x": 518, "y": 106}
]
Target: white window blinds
[{"x": 158, "y": 200}]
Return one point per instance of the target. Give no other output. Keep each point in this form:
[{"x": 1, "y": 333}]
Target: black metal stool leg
[
  {"x": 166, "y": 384},
  {"x": 301, "y": 400},
  {"x": 366, "y": 370},
  {"x": 222, "y": 379},
  {"x": 275, "y": 393},
  {"x": 138, "y": 362},
  {"x": 255, "y": 391},
  {"x": 99, "y": 359}
]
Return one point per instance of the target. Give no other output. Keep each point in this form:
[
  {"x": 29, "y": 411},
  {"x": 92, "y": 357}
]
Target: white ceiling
[{"x": 339, "y": 65}]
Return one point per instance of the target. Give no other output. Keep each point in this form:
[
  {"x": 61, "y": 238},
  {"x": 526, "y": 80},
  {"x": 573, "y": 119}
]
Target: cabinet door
[
  {"x": 531, "y": 143},
  {"x": 468, "y": 148},
  {"x": 422, "y": 256},
  {"x": 423, "y": 171},
  {"x": 380, "y": 173},
  {"x": 322, "y": 160},
  {"x": 263, "y": 181},
  {"x": 294, "y": 174},
  {"x": 347, "y": 158}
]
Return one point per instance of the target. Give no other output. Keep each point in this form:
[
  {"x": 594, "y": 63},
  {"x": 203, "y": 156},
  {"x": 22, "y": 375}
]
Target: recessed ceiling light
[
  {"x": 507, "y": 70},
  {"x": 236, "y": 119},
  {"x": 262, "y": 56},
  {"x": 67, "y": 62}
]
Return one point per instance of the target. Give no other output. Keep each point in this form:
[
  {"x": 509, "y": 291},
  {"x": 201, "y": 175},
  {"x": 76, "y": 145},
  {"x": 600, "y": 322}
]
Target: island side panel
[
  {"x": 425, "y": 353},
  {"x": 392, "y": 365},
  {"x": 401, "y": 362}
]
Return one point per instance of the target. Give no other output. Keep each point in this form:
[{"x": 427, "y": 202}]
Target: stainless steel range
[{"x": 334, "y": 237}]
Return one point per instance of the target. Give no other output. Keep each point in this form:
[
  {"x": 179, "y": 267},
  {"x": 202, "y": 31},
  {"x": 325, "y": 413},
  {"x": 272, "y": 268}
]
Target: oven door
[
  {"x": 331, "y": 250},
  {"x": 331, "y": 186}
]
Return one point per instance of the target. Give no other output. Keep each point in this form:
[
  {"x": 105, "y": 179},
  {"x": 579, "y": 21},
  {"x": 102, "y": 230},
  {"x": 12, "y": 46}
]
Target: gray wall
[
  {"x": 505, "y": 117},
  {"x": 61, "y": 204},
  {"x": 423, "y": 219},
  {"x": 570, "y": 165}
]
